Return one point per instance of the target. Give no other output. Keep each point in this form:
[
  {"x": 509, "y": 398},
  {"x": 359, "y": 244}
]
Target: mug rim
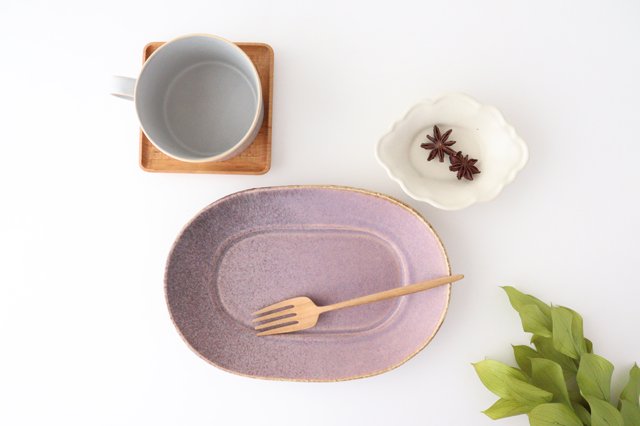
[{"x": 258, "y": 113}]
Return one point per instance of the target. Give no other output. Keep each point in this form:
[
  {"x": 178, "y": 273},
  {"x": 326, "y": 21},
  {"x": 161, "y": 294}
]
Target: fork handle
[{"x": 394, "y": 292}]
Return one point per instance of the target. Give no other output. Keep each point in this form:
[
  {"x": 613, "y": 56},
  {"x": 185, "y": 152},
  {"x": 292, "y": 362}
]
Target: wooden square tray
[{"x": 255, "y": 160}]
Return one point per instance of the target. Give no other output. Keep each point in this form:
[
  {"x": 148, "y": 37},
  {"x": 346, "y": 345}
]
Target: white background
[{"x": 85, "y": 334}]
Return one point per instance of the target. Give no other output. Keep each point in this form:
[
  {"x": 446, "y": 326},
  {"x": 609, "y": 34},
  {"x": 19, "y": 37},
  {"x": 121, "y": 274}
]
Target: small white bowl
[{"x": 479, "y": 131}]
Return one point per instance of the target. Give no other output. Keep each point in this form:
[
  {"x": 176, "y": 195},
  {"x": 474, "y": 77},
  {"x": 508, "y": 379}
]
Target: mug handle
[{"x": 123, "y": 87}]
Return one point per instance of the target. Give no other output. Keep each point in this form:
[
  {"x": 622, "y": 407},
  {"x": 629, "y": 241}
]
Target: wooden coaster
[{"x": 255, "y": 160}]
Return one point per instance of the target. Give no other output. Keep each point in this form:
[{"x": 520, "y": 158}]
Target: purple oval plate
[{"x": 257, "y": 247}]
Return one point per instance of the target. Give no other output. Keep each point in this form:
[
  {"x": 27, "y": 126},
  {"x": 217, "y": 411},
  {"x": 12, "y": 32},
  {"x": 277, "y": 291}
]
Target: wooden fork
[{"x": 300, "y": 313}]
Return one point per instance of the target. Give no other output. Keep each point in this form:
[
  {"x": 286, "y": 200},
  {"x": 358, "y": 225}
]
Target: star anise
[
  {"x": 464, "y": 165},
  {"x": 439, "y": 144}
]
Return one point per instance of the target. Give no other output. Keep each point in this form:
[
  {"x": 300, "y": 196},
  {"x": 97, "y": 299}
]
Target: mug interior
[{"x": 198, "y": 97}]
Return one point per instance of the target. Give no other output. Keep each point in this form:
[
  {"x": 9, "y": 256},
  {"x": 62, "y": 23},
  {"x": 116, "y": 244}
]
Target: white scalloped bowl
[{"x": 479, "y": 131}]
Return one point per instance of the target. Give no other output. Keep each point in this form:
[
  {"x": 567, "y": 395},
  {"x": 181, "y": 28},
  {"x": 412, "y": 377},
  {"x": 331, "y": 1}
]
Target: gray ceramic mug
[{"x": 198, "y": 98}]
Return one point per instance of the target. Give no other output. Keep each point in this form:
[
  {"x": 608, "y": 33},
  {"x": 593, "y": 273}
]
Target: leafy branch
[{"x": 559, "y": 381}]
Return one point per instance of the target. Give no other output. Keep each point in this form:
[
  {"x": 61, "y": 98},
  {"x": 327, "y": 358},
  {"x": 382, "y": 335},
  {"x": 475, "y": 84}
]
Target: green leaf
[
  {"x": 494, "y": 375},
  {"x": 574, "y": 390},
  {"x": 527, "y": 393},
  {"x": 545, "y": 347},
  {"x": 518, "y": 300},
  {"x": 507, "y": 408},
  {"x": 523, "y": 355},
  {"x": 568, "y": 337},
  {"x": 631, "y": 391},
  {"x": 509, "y": 383},
  {"x": 546, "y": 350},
  {"x": 535, "y": 315},
  {"x": 582, "y": 413},
  {"x": 594, "y": 376},
  {"x": 630, "y": 413},
  {"x": 553, "y": 415},
  {"x": 535, "y": 321},
  {"x": 547, "y": 375},
  {"x": 589, "y": 345},
  {"x": 603, "y": 413}
]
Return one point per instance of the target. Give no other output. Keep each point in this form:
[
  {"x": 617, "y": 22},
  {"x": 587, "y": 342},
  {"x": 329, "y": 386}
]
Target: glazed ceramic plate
[{"x": 260, "y": 246}]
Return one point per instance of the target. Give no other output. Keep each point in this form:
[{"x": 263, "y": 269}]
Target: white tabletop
[{"x": 84, "y": 232}]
